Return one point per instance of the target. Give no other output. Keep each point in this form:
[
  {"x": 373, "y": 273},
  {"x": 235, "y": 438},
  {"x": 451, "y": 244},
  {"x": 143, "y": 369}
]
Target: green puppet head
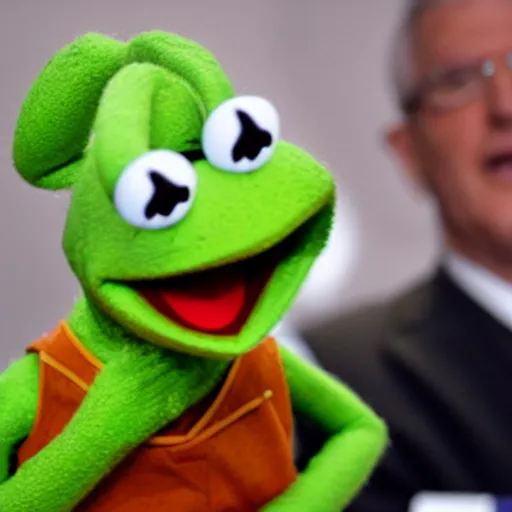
[{"x": 191, "y": 224}]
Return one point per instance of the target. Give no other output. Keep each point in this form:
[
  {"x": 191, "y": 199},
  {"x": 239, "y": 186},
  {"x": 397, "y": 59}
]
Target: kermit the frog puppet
[{"x": 190, "y": 229}]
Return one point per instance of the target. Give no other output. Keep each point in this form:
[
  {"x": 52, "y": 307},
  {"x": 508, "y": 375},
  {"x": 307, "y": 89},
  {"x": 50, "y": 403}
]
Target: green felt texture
[
  {"x": 56, "y": 117},
  {"x": 140, "y": 390},
  {"x": 188, "y": 59},
  {"x": 156, "y": 108},
  {"x": 18, "y": 406},
  {"x": 359, "y": 437},
  {"x": 233, "y": 216},
  {"x": 154, "y": 92},
  {"x": 242, "y": 220}
]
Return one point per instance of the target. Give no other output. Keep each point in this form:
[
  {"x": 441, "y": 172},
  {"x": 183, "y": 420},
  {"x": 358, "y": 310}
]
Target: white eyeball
[
  {"x": 241, "y": 134},
  {"x": 156, "y": 190}
]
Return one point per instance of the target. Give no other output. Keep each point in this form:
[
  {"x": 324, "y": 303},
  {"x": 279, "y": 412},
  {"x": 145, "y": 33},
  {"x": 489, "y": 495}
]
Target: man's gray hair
[{"x": 402, "y": 59}]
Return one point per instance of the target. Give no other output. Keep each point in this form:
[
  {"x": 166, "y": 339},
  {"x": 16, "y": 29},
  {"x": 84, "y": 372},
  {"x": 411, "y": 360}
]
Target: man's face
[{"x": 463, "y": 156}]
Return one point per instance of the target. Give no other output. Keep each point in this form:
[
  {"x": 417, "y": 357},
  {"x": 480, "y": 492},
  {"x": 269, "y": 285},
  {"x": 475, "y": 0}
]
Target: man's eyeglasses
[{"x": 453, "y": 88}]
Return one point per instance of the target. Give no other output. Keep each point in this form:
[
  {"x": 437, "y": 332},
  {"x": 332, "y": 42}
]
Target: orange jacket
[{"x": 231, "y": 452}]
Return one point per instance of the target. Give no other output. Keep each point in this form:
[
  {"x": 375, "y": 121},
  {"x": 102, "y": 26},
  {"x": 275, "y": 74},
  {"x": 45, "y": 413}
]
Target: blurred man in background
[{"x": 436, "y": 360}]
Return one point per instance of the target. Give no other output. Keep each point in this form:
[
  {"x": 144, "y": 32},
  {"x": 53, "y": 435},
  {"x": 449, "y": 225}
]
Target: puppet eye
[
  {"x": 241, "y": 134},
  {"x": 156, "y": 190}
]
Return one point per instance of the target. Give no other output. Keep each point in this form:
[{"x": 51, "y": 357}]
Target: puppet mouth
[{"x": 217, "y": 300}]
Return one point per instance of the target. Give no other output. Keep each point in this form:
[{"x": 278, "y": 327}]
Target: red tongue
[{"x": 211, "y": 303}]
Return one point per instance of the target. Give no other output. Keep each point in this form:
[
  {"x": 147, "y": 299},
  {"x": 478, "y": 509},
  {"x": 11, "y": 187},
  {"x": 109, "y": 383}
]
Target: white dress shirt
[{"x": 488, "y": 290}]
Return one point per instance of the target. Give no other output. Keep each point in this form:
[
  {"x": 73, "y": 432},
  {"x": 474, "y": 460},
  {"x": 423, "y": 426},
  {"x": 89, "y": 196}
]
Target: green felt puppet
[{"x": 190, "y": 229}]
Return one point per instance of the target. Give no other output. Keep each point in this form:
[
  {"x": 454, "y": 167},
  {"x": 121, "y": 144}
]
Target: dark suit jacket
[{"x": 438, "y": 369}]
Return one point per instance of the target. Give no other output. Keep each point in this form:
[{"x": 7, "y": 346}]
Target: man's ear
[
  {"x": 399, "y": 138},
  {"x": 55, "y": 121}
]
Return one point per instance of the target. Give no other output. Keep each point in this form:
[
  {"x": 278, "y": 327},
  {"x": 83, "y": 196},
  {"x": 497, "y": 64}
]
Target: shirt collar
[{"x": 488, "y": 290}]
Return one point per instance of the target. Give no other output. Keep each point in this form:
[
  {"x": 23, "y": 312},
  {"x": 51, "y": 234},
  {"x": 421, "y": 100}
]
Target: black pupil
[
  {"x": 166, "y": 196},
  {"x": 252, "y": 140}
]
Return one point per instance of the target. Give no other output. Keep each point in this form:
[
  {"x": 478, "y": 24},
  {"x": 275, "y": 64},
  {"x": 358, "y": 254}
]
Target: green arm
[
  {"x": 336, "y": 474},
  {"x": 18, "y": 407},
  {"x": 58, "y": 476},
  {"x": 133, "y": 397}
]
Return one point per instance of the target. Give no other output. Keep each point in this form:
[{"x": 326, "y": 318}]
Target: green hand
[{"x": 358, "y": 439}]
